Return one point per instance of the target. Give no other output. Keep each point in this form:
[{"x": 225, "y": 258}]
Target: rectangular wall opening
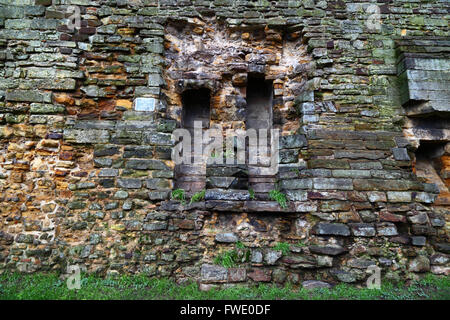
[
  {"x": 260, "y": 116},
  {"x": 259, "y": 103},
  {"x": 433, "y": 164},
  {"x": 196, "y": 107}
]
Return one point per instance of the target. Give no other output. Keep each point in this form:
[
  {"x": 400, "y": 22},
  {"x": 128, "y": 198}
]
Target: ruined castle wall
[{"x": 91, "y": 91}]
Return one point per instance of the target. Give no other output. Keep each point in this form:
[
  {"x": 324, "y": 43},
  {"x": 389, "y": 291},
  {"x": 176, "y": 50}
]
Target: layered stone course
[{"x": 87, "y": 116}]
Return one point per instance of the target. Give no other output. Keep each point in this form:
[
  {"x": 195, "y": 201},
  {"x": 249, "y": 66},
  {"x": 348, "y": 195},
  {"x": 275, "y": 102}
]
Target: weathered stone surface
[
  {"x": 260, "y": 275},
  {"x": 108, "y": 172},
  {"x": 443, "y": 247},
  {"x": 272, "y": 256},
  {"x": 30, "y": 96},
  {"x": 86, "y": 136},
  {"x": 419, "y": 218},
  {"x": 439, "y": 259},
  {"x": 372, "y": 155},
  {"x": 153, "y": 226},
  {"x": 314, "y": 284},
  {"x": 363, "y": 229},
  {"x": 218, "y": 194},
  {"x": 381, "y": 185},
  {"x": 337, "y": 229},
  {"x": 400, "y": 154},
  {"x": 213, "y": 273},
  {"x": 129, "y": 183},
  {"x": 237, "y": 275},
  {"x": 332, "y": 184},
  {"x": 343, "y": 276},
  {"x": 420, "y": 264},
  {"x": 40, "y": 108},
  {"x": 297, "y": 184},
  {"x": 394, "y": 196},
  {"x": 300, "y": 261},
  {"x": 331, "y": 250},
  {"x": 390, "y": 217},
  {"x": 256, "y": 256},
  {"x": 386, "y": 229},
  {"x": 418, "y": 241},
  {"x": 360, "y": 263},
  {"x": 144, "y": 164},
  {"x": 294, "y": 141},
  {"x": 279, "y": 276},
  {"x": 328, "y": 164},
  {"x": 227, "y": 237},
  {"x": 296, "y": 195}
]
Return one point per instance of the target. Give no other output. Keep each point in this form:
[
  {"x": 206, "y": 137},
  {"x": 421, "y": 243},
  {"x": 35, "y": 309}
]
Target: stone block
[
  {"x": 400, "y": 154},
  {"x": 155, "y": 226},
  {"x": 228, "y": 237},
  {"x": 394, "y": 196},
  {"x": 386, "y": 229},
  {"x": 332, "y": 184},
  {"x": 363, "y": 229},
  {"x": 260, "y": 275},
  {"x": 157, "y": 184},
  {"x": 41, "y": 108},
  {"x": 294, "y": 141},
  {"x": 314, "y": 284},
  {"x": 29, "y": 96},
  {"x": 237, "y": 274},
  {"x": 296, "y": 195},
  {"x": 332, "y": 249},
  {"x": 328, "y": 164},
  {"x": 272, "y": 256},
  {"x": 337, "y": 229},
  {"x": 145, "y": 164},
  {"x": 295, "y": 184},
  {"x": 419, "y": 241},
  {"x": 420, "y": 264},
  {"x": 129, "y": 183},
  {"x": 213, "y": 273},
  {"x": 86, "y": 136}
]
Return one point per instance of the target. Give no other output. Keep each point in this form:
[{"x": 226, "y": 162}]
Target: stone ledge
[{"x": 239, "y": 206}]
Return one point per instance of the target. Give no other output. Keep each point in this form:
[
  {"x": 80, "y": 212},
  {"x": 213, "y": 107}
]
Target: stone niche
[
  {"x": 252, "y": 75},
  {"x": 425, "y": 97}
]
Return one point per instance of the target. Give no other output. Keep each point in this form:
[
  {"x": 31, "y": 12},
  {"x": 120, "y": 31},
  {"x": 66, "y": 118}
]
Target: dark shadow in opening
[
  {"x": 260, "y": 116},
  {"x": 429, "y": 163},
  {"x": 196, "y": 107},
  {"x": 259, "y": 103}
]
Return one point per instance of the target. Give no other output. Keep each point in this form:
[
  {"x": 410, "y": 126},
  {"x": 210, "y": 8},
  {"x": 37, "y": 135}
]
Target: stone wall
[{"x": 87, "y": 115}]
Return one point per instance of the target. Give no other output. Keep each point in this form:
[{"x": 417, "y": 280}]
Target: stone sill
[{"x": 239, "y": 206}]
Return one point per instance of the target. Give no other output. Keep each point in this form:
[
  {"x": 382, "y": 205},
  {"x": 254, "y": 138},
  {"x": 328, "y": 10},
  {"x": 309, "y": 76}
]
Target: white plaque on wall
[{"x": 144, "y": 104}]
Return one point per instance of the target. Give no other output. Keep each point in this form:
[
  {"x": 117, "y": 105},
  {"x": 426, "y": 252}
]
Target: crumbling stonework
[{"x": 87, "y": 115}]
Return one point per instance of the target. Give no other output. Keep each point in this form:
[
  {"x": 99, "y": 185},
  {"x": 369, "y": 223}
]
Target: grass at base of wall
[{"x": 139, "y": 287}]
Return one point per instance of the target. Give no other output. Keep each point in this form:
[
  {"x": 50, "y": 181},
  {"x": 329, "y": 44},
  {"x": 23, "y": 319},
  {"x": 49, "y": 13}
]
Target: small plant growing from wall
[
  {"x": 231, "y": 258},
  {"x": 279, "y": 197},
  {"x": 252, "y": 194},
  {"x": 198, "y": 196},
  {"x": 240, "y": 245},
  {"x": 301, "y": 244},
  {"x": 284, "y": 247},
  {"x": 227, "y": 259},
  {"x": 179, "y": 194}
]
